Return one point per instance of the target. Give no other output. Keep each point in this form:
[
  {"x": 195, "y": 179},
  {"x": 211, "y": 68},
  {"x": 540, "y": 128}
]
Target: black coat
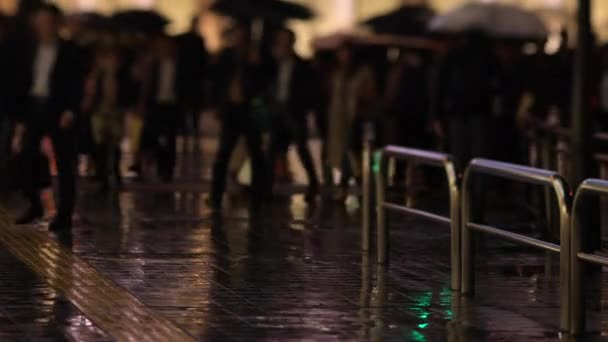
[
  {"x": 255, "y": 78},
  {"x": 193, "y": 59},
  {"x": 152, "y": 83},
  {"x": 303, "y": 93},
  {"x": 66, "y": 82}
]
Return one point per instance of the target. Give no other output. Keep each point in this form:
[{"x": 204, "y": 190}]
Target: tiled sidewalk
[{"x": 296, "y": 274}]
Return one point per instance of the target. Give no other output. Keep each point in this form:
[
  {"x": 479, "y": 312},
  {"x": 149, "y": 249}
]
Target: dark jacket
[
  {"x": 193, "y": 60},
  {"x": 152, "y": 83},
  {"x": 303, "y": 93},
  {"x": 66, "y": 82},
  {"x": 254, "y": 77},
  {"x": 468, "y": 80}
]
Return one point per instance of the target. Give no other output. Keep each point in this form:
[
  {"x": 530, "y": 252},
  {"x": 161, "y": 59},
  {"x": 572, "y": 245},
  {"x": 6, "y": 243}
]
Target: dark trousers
[
  {"x": 286, "y": 129},
  {"x": 107, "y": 163},
  {"x": 34, "y": 166},
  {"x": 236, "y": 122},
  {"x": 469, "y": 140},
  {"x": 160, "y": 133}
]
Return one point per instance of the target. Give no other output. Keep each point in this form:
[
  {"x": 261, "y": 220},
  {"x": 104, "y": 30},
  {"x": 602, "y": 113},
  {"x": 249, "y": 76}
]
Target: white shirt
[
  {"x": 166, "y": 82},
  {"x": 284, "y": 80},
  {"x": 45, "y": 59}
]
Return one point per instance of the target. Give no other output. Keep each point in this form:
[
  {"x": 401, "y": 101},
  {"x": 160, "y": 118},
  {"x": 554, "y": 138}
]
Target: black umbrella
[
  {"x": 406, "y": 20},
  {"x": 143, "y": 21},
  {"x": 92, "y": 20},
  {"x": 275, "y": 10}
]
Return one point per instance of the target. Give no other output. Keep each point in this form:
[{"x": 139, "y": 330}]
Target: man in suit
[
  {"x": 164, "y": 96},
  {"x": 192, "y": 56},
  {"x": 294, "y": 98},
  {"x": 238, "y": 79},
  {"x": 46, "y": 90}
]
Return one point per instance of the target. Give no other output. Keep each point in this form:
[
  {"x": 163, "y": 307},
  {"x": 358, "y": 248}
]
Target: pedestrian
[
  {"x": 193, "y": 59},
  {"x": 294, "y": 95},
  {"x": 163, "y": 101},
  {"x": 467, "y": 85},
  {"x": 47, "y": 89},
  {"x": 238, "y": 79},
  {"x": 106, "y": 100},
  {"x": 353, "y": 98}
]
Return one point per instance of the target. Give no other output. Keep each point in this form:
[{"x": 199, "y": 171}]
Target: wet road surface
[{"x": 292, "y": 273}]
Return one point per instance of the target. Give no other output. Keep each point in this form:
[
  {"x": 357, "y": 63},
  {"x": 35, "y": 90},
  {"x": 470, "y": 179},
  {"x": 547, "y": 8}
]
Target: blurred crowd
[{"x": 475, "y": 97}]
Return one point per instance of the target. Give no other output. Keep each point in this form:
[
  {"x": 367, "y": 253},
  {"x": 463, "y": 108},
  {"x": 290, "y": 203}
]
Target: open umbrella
[
  {"x": 91, "y": 20},
  {"x": 144, "y": 21},
  {"x": 336, "y": 40},
  {"x": 497, "y": 20},
  {"x": 407, "y": 20},
  {"x": 276, "y": 10}
]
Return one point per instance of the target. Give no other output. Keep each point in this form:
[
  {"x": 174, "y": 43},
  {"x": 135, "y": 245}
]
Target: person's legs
[
  {"x": 33, "y": 173},
  {"x": 167, "y": 153},
  {"x": 299, "y": 134},
  {"x": 101, "y": 164},
  {"x": 64, "y": 145},
  {"x": 273, "y": 152},
  {"x": 258, "y": 167},
  {"x": 229, "y": 136}
]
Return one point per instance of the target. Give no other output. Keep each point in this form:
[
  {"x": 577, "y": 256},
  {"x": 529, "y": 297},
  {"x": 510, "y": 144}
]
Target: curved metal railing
[
  {"x": 527, "y": 175},
  {"x": 578, "y": 256},
  {"x": 435, "y": 159}
]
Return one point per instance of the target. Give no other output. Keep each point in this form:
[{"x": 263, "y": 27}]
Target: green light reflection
[
  {"x": 446, "y": 301},
  {"x": 377, "y": 161}
]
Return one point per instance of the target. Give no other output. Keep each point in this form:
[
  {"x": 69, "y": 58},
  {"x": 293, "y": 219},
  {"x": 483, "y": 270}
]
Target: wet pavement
[{"x": 153, "y": 260}]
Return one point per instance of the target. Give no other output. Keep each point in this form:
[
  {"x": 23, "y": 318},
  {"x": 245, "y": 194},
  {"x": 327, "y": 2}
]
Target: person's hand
[
  {"x": 66, "y": 120},
  {"x": 17, "y": 140}
]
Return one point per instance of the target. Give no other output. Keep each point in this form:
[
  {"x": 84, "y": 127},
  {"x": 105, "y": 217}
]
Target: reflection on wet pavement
[
  {"x": 294, "y": 273},
  {"x": 30, "y": 310}
]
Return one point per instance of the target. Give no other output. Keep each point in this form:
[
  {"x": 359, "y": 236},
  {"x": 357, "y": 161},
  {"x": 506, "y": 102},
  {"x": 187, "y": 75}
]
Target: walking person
[
  {"x": 466, "y": 89},
  {"x": 106, "y": 100},
  {"x": 353, "y": 97},
  {"x": 47, "y": 87},
  {"x": 294, "y": 98},
  {"x": 238, "y": 79},
  {"x": 163, "y": 99},
  {"x": 193, "y": 59}
]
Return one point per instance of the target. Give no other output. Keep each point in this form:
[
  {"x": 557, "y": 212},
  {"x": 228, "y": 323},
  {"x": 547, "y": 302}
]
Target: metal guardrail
[
  {"x": 426, "y": 158},
  {"x": 366, "y": 186},
  {"x": 578, "y": 256},
  {"x": 527, "y": 175}
]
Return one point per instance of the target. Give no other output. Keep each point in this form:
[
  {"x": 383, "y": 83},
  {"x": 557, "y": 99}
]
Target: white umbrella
[{"x": 497, "y": 20}]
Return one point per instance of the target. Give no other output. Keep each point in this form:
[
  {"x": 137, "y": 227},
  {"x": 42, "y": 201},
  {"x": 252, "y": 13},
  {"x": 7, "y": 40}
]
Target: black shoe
[
  {"x": 30, "y": 216},
  {"x": 61, "y": 224}
]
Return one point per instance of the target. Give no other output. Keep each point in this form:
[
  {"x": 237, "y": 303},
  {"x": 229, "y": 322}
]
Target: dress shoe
[{"x": 30, "y": 216}]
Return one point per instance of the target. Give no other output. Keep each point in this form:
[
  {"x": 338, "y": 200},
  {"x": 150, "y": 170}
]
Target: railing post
[
  {"x": 366, "y": 193},
  {"x": 560, "y": 188},
  {"x": 577, "y": 303},
  {"x": 467, "y": 274},
  {"x": 455, "y": 226},
  {"x": 381, "y": 213}
]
